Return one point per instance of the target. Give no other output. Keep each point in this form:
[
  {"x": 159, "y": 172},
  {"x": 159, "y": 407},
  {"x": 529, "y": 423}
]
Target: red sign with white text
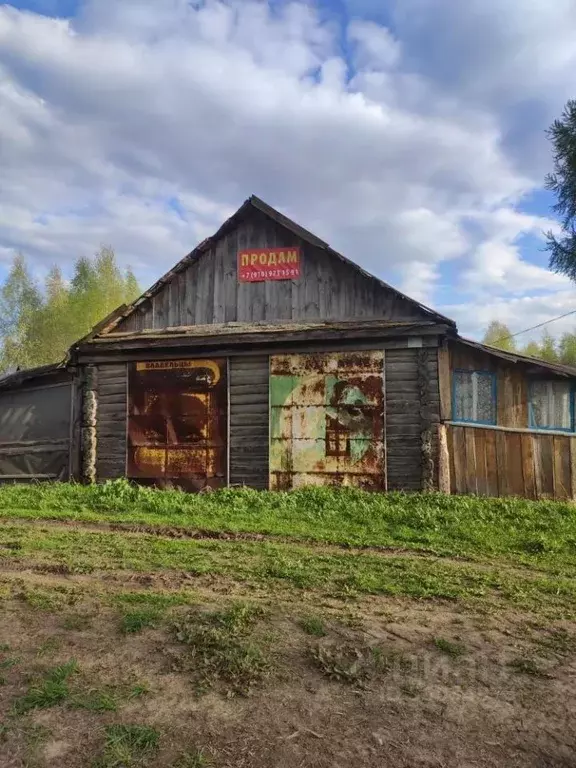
[{"x": 258, "y": 264}]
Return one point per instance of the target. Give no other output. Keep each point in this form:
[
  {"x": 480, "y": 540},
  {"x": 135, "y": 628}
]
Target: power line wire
[{"x": 534, "y": 327}]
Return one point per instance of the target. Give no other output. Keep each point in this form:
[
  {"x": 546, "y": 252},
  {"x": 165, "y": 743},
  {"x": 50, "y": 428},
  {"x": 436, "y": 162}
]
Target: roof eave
[{"x": 512, "y": 357}]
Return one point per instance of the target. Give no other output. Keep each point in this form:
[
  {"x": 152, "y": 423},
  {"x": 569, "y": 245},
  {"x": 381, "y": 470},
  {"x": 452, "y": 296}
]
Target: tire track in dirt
[
  {"x": 314, "y": 546},
  {"x": 199, "y": 534},
  {"x": 190, "y": 587}
]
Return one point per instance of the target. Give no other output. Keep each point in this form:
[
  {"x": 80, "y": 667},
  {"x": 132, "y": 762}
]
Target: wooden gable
[{"x": 204, "y": 288}]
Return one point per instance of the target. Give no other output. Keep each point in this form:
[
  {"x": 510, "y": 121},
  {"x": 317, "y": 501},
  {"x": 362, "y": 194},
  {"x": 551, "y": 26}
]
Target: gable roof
[{"x": 254, "y": 202}]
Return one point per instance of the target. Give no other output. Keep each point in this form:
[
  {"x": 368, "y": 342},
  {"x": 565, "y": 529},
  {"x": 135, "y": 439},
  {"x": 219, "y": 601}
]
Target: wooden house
[
  {"x": 264, "y": 358},
  {"x": 509, "y": 421}
]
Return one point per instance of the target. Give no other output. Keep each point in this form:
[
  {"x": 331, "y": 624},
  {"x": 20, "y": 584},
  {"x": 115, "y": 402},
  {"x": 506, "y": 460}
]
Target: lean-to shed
[{"x": 36, "y": 424}]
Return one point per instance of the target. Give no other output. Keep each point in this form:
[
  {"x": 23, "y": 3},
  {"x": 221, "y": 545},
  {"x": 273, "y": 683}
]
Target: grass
[
  {"x": 77, "y": 621},
  {"x": 294, "y": 566},
  {"x": 96, "y": 700},
  {"x": 313, "y": 625},
  {"x": 135, "y": 621},
  {"x": 6, "y": 665},
  {"x": 50, "y": 691},
  {"x": 196, "y": 759},
  {"x": 527, "y": 666},
  {"x": 557, "y": 641},
  {"x": 539, "y": 533},
  {"x": 449, "y": 647},
  {"x": 127, "y": 745},
  {"x": 221, "y": 648},
  {"x": 49, "y": 646}
]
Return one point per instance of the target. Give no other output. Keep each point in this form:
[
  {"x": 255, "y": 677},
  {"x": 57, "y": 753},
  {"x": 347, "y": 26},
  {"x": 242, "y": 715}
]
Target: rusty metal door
[
  {"x": 327, "y": 420},
  {"x": 177, "y": 429}
]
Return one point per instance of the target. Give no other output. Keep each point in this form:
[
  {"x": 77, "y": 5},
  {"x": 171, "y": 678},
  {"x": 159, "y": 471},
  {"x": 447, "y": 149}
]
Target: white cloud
[
  {"x": 496, "y": 263},
  {"x": 143, "y": 124},
  {"x": 515, "y": 58},
  {"x": 375, "y": 47},
  {"x": 518, "y": 313}
]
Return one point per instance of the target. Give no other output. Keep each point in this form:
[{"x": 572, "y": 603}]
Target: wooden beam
[
  {"x": 573, "y": 468},
  {"x": 443, "y": 460},
  {"x": 445, "y": 382}
]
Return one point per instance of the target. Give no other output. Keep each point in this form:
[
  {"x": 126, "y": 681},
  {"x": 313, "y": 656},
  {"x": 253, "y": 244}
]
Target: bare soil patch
[{"x": 383, "y": 684}]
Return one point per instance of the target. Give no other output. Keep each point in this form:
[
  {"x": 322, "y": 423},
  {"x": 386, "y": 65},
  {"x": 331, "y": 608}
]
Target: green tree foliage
[
  {"x": 548, "y": 349},
  {"x": 498, "y": 335},
  {"x": 552, "y": 350},
  {"x": 532, "y": 349},
  {"x": 20, "y": 300},
  {"x": 567, "y": 348},
  {"x": 562, "y": 350},
  {"x": 562, "y": 182},
  {"x": 38, "y": 327}
]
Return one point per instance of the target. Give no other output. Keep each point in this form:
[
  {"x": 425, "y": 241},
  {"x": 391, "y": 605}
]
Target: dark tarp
[{"x": 35, "y": 432}]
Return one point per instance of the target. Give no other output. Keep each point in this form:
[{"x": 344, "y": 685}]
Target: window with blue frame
[
  {"x": 551, "y": 405},
  {"x": 474, "y": 397}
]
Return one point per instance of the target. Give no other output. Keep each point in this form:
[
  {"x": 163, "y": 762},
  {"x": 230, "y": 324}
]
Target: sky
[{"x": 409, "y": 134}]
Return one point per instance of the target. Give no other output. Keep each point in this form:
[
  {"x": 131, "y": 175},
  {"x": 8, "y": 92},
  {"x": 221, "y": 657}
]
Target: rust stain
[
  {"x": 327, "y": 420},
  {"x": 177, "y": 423}
]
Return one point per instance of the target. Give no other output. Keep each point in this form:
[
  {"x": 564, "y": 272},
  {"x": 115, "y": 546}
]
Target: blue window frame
[
  {"x": 551, "y": 405},
  {"x": 474, "y": 397}
]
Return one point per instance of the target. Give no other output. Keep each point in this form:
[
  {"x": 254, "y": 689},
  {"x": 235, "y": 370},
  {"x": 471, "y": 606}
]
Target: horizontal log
[
  {"x": 111, "y": 371},
  {"x": 109, "y": 378},
  {"x": 112, "y": 430},
  {"x": 113, "y": 458},
  {"x": 253, "y": 408},
  {"x": 106, "y": 408},
  {"x": 255, "y": 387},
  {"x": 111, "y": 418},
  {"x": 119, "y": 402},
  {"x": 248, "y": 366},
  {"x": 256, "y": 458},
  {"x": 248, "y": 399},
  {"x": 116, "y": 389}
]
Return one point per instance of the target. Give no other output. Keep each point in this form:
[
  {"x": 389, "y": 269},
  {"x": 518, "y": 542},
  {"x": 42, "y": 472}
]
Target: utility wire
[{"x": 534, "y": 327}]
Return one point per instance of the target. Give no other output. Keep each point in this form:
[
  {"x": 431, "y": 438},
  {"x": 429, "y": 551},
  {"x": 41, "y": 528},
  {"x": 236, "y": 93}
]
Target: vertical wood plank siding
[
  {"x": 249, "y": 407},
  {"x": 208, "y": 291},
  {"x": 406, "y": 420},
  {"x": 511, "y": 387},
  {"x": 492, "y": 462},
  {"x": 111, "y": 421}
]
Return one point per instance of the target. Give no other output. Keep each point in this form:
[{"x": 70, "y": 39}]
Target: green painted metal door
[{"x": 327, "y": 420}]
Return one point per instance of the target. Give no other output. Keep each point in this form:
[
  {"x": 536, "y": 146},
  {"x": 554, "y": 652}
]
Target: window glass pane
[
  {"x": 550, "y": 405},
  {"x": 474, "y": 398},
  {"x": 462, "y": 396},
  {"x": 485, "y": 406}
]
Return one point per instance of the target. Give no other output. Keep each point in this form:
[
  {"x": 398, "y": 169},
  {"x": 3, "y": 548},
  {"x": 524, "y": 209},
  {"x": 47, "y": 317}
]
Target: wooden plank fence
[{"x": 508, "y": 462}]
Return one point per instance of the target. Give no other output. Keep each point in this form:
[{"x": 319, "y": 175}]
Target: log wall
[
  {"x": 412, "y": 416},
  {"x": 111, "y": 421}
]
